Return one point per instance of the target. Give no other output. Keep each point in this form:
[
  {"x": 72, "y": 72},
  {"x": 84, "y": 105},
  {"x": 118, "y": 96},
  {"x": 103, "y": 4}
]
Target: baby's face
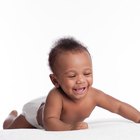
[{"x": 74, "y": 73}]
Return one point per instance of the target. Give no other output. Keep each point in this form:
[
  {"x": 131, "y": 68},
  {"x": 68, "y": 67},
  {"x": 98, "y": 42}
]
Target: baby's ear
[{"x": 54, "y": 80}]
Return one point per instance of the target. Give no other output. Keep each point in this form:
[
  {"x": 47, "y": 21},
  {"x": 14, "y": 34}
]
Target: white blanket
[{"x": 98, "y": 130}]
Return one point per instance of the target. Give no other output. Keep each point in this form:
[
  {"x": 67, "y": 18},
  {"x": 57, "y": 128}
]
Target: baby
[{"x": 73, "y": 98}]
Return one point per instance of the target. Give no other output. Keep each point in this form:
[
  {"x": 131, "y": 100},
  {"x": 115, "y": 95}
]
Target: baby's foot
[
  {"x": 11, "y": 117},
  {"x": 13, "y": 113}
]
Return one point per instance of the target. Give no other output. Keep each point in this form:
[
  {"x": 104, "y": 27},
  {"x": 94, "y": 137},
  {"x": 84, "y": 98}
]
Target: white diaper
[{"x": 30, "y": 111}]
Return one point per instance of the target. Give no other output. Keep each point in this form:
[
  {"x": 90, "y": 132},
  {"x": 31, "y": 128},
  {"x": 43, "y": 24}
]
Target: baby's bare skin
[{"x": 72, "y": 112}]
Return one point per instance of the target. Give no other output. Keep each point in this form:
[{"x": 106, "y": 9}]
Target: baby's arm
[
  {"x": 125, "y": 110},
  {"x": 52, "y": 114}
]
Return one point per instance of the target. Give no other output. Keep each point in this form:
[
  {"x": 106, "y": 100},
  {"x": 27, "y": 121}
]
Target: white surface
[
  {"x": 98, "y": 130},
  {"x": 109, "y": 28}
]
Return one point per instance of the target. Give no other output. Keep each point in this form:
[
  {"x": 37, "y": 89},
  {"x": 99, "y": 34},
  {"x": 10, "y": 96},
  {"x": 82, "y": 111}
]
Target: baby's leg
[{"x": 15, "y": 121}]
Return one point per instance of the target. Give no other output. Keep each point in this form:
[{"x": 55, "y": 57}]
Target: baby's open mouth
[{"x": 79, "y": 90}]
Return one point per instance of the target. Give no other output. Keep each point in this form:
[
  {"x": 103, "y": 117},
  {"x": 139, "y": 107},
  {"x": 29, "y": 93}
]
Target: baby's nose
[{"x": 80, "y": 79}]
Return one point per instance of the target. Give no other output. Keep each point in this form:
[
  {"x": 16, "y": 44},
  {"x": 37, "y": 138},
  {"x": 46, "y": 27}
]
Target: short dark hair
[{"x": 64, "y": 45}]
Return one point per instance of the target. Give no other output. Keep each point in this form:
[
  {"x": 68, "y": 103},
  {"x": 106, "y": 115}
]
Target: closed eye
[
  {"x": 72, "y": 76},
  {"x": 88, "y": 74}
]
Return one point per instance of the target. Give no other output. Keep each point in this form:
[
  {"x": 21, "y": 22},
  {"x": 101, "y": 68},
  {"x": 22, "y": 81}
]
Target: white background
[{"x": 109, "y": 28}]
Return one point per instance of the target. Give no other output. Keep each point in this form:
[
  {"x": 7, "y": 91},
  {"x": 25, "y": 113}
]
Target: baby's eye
[
  {"x": 87, "y": 74},
  {"x": 71, "y": 76}
]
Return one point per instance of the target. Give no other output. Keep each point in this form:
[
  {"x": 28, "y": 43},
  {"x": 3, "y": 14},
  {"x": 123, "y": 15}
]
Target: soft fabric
[
  {"x": 30, "y": 111},
  {"x": 98, "y": 130}
]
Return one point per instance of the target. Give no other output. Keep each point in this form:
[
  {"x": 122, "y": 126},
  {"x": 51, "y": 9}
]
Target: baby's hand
[{"x": 80, "y": 125}]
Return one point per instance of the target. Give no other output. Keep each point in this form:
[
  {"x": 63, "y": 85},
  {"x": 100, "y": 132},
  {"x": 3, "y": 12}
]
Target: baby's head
[
  {"x": 64, "y": 45},
  {"x": 71, "y": 65}
]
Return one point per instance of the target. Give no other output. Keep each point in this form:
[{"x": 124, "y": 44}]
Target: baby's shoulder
[
  {"x": 96, "y": 92},
  {"x": 54, "y": 93},
  {"x": 53, "y": 99}
]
